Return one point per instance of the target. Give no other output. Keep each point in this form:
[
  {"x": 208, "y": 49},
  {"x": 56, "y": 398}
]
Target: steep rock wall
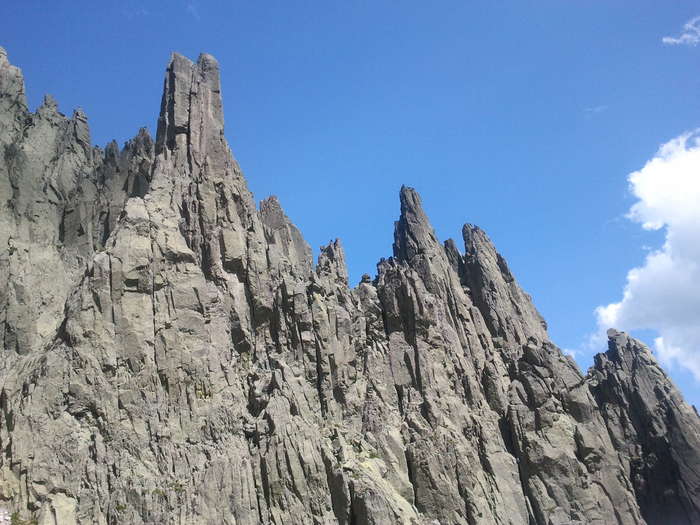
[{"x": 187, "y": 362}]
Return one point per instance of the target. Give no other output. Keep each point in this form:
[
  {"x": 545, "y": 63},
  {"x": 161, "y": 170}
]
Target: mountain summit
[{"x": 173, "y": 354}]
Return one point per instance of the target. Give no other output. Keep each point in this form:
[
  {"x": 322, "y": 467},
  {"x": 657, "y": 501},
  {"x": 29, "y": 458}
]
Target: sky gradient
[{"x": 525, "y": 118}]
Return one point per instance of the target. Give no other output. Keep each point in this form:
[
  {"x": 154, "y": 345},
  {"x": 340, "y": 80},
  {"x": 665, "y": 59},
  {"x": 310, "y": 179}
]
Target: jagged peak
[
  {"x": 283, "y": 235},
  {"x": 200, "y": 309},
  {"x": 453, "y": 254},
  {"x": 410, "y": 201},
  {"x": 49, "y": 102},
  {"x": 475, "y": 238},
  {"x": 624, "y": 349},
  {"x": 141, "y": 144},
  {"x": 272, "y": 213},
  {"x": 205, "y": 60},
  {"x": 111, "y": 151},
  {"x": 331, "y": 261},
  {"x": 12, "y": 93},
  {"x": 176, "y": 57},
  {"x": 49, "y": 108},
  {"x": 81, "y": 128},
  {"x": 652, "y": 425},
  {"x": 191, "y": 92},
  {"x": 478, "y": 245},
  {"x": 507, "y": 309},
  {"x": 413, "y": 233},
  {"x": 142, "y": 141}
]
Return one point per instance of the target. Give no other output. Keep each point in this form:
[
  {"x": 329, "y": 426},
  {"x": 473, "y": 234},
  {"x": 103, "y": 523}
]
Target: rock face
[
  {"x": 172, "y": 354},
  {"x": 654, "y": 430}
]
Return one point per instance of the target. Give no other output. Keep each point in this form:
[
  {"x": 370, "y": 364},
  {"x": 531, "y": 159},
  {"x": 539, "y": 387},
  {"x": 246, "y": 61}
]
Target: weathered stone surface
[
  {"x": 656, "y": 433},
  {"x": 187, "y": 362}
]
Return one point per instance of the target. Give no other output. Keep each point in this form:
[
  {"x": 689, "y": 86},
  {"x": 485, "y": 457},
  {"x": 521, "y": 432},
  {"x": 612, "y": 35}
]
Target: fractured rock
[{"x": 187, "y": 362}]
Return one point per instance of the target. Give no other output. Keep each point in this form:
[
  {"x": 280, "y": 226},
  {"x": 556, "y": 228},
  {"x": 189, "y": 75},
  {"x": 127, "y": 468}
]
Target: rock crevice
[{"x": 189, "y": 362}]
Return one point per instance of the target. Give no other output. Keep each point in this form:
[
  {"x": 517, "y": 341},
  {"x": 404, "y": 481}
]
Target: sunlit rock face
[{"x": 171, "y": 353}]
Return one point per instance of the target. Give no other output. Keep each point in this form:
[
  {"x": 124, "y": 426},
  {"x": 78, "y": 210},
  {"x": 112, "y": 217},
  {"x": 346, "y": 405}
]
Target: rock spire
[{"x": 187, "y": 361}]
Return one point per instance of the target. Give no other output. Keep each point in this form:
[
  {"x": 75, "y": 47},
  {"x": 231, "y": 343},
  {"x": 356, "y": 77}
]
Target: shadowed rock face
[
  {"x": 186, "y": 361},
  {"x": 655, "y": 431}
]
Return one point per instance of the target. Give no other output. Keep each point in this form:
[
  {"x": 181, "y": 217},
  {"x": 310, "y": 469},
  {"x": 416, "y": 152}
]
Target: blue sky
[{"x": 524, "y": 117}]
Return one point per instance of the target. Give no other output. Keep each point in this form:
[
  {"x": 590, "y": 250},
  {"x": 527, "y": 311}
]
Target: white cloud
[
  {"x": 690, "y": 35},
  {"x": 664, "y": 293}
]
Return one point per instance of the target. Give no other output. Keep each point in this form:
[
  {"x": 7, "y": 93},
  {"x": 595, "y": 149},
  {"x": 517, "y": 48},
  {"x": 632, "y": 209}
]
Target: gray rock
[
  {"x": 656, "y": 433},
  {"x": 187, "y": 362}
]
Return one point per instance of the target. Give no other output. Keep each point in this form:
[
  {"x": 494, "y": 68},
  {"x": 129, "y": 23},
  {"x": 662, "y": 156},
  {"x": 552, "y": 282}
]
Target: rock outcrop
[
  {"x": 655, "y": 432},
  {"x": 172, "y": 354}
]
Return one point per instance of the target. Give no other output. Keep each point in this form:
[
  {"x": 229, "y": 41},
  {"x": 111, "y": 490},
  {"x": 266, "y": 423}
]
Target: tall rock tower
[{"x": 171, "y": 353}]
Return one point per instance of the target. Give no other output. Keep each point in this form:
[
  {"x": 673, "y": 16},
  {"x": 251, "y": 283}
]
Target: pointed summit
[
  {"x": 655, "y": 430},
  {"x": 184, "y": 348},
  {"x": 507, "y": 309},
  {"x": 331, "y": 262},
  {"x": 413, "y": 233},
  {"x": 13, "y": 100},
  {"x": 286, "y": 242},
  {"x": 191, "y": 110}
]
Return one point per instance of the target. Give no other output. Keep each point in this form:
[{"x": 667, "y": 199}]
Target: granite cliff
[{"x": 171, "y": 353}]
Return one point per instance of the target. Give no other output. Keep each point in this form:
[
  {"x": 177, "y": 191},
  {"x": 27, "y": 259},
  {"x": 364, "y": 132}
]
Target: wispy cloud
[
  {"x": 690, "y": 35},
  {"x": 592, "y": 111},
  {"x": 596, "y": 109},
  {"x": 570, "y": 351},
  {"x": 193, "y": 10}
]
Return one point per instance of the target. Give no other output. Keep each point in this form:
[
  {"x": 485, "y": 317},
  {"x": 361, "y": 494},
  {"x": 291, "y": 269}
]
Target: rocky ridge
[{"x": 188, "y": 362}]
